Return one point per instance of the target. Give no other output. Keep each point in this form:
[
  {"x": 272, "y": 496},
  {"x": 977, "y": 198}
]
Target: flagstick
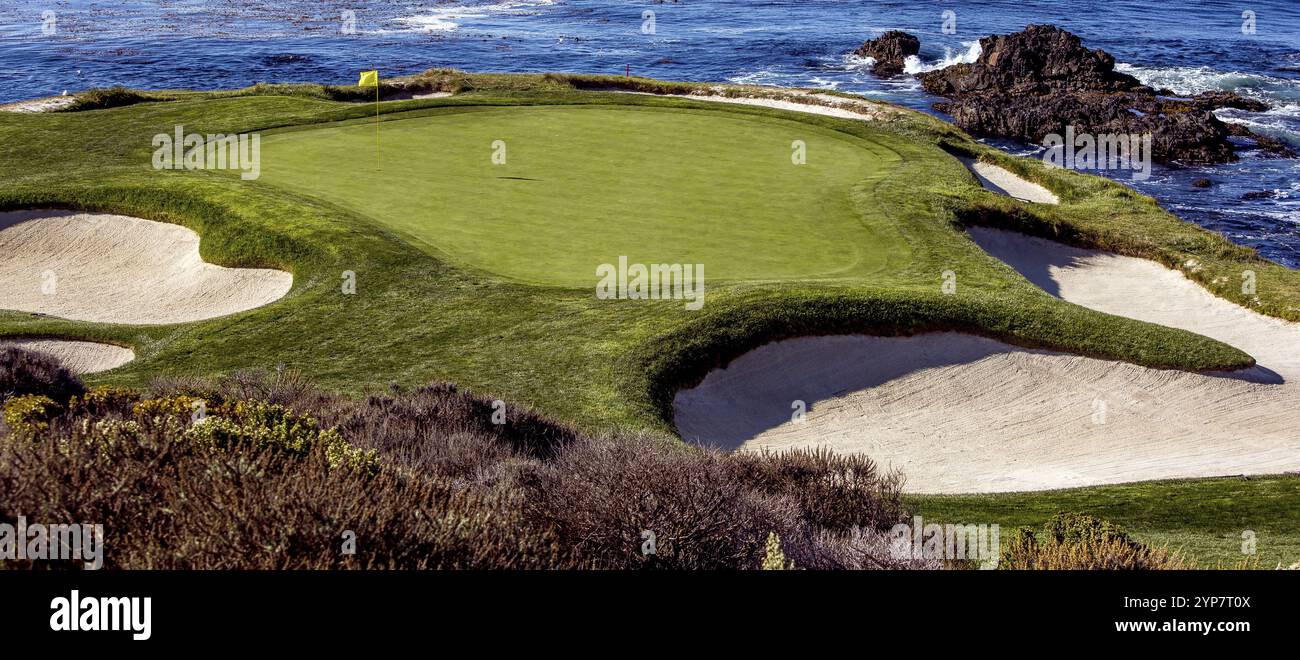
[{"x": 378, "y": 159}]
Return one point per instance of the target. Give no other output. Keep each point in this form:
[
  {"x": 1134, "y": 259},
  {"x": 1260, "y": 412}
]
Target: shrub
[
  {"x": 179, "y": 407},
  {"x": 1070, "y": 527},
  {"x": 268, "y": 426},
  {"x": 101, "y": 401},
  {"x": 29, "y": 416},
  {"x": 837, "y": 492},
  {"x": 1076, "y": 541},
  {"x": 773, "y": 557},
  {"x": 165, "y": 506},
  {"x": 27, "y": 372},
  {"x": 606, "y": 497},
  {"x": 433, "y": 483},
  {"x": 99, "y": 98},
  {"x": 251, "y": 424},
  {"x": 260, "y": 425}
]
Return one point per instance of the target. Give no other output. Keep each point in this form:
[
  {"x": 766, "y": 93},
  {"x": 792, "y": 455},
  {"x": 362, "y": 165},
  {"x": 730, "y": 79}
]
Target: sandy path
[
  {"x": 82, "y": 357},
  {"x": 117, "y": 269},
  {"x": 959, "y": 413}
]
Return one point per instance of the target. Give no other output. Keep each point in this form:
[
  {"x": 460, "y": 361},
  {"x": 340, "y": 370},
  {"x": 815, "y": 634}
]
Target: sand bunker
[
  {"x": 958, "y": 413},
  {"x": 116, "y": 269},
  {"x": 838, "y": 107},
  {"x": 794, "y": 100},
  {"x": 83, "y": 357},
  {"x": 1004, "y": 182}
]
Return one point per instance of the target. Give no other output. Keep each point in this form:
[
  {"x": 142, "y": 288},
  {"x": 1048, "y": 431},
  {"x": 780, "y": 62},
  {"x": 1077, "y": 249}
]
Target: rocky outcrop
[
  {"x": 1038, "y": 60},
  {"x": 889, "y": 51},
  {"x": 1034, "y": 83}
]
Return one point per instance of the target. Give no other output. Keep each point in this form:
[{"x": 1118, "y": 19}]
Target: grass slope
[{"x": 1202, "y": 518}]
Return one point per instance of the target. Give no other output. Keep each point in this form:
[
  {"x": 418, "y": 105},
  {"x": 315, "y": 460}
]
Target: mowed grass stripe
[{"x": 583, "y": 185}]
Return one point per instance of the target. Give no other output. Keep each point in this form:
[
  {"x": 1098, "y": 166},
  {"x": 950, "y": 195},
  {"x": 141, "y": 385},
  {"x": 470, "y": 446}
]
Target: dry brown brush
[{"x": 272, "y": 473}]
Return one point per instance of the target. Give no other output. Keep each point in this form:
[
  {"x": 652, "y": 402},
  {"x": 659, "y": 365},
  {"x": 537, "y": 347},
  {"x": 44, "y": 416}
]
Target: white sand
[
  {"x": 796, "y": 100},
  {"x": 958, "y": 413},
  {"x": 48, "y": 104},
  {"x": 117, "y": 269},
  {"x": 1002, "y": 181},
  {"x": 82, "y": 357},
  {"x": 842, "y": 108}
]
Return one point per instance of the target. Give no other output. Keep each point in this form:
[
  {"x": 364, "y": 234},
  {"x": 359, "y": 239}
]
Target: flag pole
[{"x": 378, "y": 158}]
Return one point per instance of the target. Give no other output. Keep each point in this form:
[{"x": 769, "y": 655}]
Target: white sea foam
[
  {"x": 764, "y": 76},
  {"x": 1190, "y": 80},
  {"x": 913, "y": 64},
  {"x": 852, "y": 61},
  {"x": 1280, "y": 122},
  {"x": 449, "y": 18}
]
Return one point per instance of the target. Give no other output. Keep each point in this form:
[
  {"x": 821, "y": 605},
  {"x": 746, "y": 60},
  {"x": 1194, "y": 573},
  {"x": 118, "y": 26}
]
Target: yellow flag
[{"x": 369, "y": 79}]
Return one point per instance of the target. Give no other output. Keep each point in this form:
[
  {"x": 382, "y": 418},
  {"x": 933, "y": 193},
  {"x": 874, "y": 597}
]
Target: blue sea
[{"x": 1188, "y": 47}]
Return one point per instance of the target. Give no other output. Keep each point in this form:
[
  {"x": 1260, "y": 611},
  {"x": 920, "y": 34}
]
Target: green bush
[
  {"x": 1077, "y": 541},
  {"x": 102, "y": 400},
  {"x": 29, "y": 416},
  {"x": 267, "y": 426},
  {"x": 1071, "y": 527}
]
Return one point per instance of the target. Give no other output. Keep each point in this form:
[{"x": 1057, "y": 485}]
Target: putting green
[{"x": 581, "y": 186}]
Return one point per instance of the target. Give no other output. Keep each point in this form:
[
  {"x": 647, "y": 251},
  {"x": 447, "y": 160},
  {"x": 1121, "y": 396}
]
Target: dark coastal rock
[
  {"x": 889, "y": 51},
  {"x": 1216, "y": 100},
  {"x": 1038, "y": 60},
  {"x": 1035, "y": 83},
  {"x": 1202, "y": 183},
  {"x": 1272, "y": 146}
]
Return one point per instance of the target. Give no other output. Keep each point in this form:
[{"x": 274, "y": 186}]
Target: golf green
[{"x": 545, "y": 194}]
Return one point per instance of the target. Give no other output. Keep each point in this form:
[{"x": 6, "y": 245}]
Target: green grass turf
[
  {"x": 1202, "y": 518},
  {"x": 582, "y": 185}
]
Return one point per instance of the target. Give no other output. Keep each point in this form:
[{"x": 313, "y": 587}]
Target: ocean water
[{"x": 208, "y": 44}]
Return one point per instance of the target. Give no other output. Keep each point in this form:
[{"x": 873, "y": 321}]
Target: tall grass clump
[{"x": 99, "y": 98}]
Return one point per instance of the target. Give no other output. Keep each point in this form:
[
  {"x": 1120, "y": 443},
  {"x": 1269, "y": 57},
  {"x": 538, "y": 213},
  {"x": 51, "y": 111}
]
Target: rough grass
[
  {"x": 601, "y": 365},
  {"x": 99, "y": 98}
]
